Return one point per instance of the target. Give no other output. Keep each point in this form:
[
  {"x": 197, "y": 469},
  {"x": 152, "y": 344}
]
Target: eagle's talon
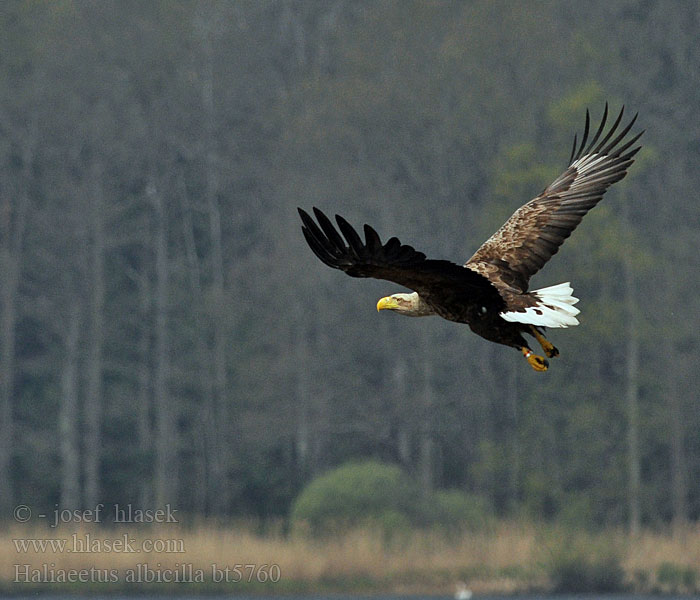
[
  {"x": 538, "y": 363},
  {"x": 549, "y": 349},
  {"x": 551, "y": 352}
]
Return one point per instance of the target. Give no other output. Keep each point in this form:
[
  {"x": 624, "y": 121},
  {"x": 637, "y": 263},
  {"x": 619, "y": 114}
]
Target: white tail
[{"x": 555, "y": 308}]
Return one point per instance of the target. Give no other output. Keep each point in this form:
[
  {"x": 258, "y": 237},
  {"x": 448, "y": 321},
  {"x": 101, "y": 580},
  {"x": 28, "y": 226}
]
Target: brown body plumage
[{"x": 490, "y": 291}]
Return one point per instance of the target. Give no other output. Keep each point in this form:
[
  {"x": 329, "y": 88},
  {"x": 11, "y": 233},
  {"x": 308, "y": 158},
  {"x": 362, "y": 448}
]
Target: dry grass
[
  {"x": 650, "y": 550},
  {"x": 506, "y": 558}
]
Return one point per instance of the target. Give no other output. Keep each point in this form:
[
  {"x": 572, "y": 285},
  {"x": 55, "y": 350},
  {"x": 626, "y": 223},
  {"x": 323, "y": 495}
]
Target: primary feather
[{"x": 490, "y": 291}]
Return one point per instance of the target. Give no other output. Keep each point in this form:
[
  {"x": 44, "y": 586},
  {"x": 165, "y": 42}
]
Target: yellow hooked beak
[{"x": 387, "y": 302}]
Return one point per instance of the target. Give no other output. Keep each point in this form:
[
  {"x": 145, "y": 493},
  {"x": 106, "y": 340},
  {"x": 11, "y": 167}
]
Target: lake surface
[{"x": 379, "y": 597}]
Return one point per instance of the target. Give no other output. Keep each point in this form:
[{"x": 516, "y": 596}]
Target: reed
[{"x": 509, "y": 556}]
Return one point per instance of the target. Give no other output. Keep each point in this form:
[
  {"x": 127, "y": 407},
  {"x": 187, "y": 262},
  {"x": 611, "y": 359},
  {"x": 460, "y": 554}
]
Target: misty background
[{"x": 166, "y": 336}]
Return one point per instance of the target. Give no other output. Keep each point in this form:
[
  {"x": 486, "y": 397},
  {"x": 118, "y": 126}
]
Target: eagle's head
[{"x": 411, "y": 305}]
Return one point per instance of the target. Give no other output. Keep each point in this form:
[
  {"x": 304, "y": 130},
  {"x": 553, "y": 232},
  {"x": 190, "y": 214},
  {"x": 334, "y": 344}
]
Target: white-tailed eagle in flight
[{"x": 490, "y": 291}]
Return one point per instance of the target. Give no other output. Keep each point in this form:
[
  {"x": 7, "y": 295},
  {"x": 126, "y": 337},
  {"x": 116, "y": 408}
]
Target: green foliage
[
  {"x": 374, "y": 494},
  {"x": 520, "y": 173},
  {"x": 356, "y": 494},
  {"x": 673, "y": 578},
  {"x": 567, "y": 111},
  {"x": 584, "y": 565},
  {"x": 541, "y": 495},
  {"x": 457, "y": 511}
]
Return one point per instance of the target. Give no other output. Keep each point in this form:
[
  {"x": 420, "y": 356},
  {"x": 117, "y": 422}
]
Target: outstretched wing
[
  {"x": 393, "y": 261},
  {"x": 534, "y": 233}
]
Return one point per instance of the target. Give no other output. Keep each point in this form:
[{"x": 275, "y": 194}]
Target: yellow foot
[
  {"x": 536, "y": 362},
  {"x": 549, "y": 349}
]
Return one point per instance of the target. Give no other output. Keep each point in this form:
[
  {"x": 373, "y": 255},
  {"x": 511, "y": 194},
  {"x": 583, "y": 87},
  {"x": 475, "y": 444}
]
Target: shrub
[
  {"x": 586, "y": 566},
  {"x": 676, "y": 578},
  {"x": 353, "y": 495},
  {"x": 456, "y": 511},
  {"x": 394, "y": 525},
  {"x": 381, "y": 496}
]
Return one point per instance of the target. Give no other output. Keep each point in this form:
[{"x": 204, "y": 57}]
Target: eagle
[{"x": 490, "y": 291}]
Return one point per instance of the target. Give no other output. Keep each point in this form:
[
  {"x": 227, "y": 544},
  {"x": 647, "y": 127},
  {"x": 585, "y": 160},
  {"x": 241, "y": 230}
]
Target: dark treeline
[{"x": 166, "y": 336}]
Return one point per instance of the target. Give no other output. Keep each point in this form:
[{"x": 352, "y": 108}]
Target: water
[{"x": 377, "y": 597}]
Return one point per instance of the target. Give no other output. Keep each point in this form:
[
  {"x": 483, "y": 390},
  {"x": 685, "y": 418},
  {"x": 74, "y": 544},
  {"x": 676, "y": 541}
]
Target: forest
[{"x": 167, "y": 336}]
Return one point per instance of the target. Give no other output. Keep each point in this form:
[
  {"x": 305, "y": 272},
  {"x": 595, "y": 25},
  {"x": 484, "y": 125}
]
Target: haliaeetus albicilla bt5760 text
[{"x": 489, "y": 292}]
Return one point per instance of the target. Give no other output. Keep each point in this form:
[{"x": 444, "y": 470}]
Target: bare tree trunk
[
  {"x": 218, "y": 453},
  {"x": 514, "y": 466},
  {"x": 166, "y": 441},
  {"x": 207, "y": 427},
  {"x": 13, "y": 226},
  {"x": 426, "y": 443},
  {"x": 401, "y": 414},
  {"x": 69, "y": 417},
  {"x": 302, "y": 441},
  {"x": 8, "y": 289},
  {"x": 93, "y": 399},
  {"x": 321, "y": 411},
  {"x": 484, "y": 426},
  {"x": 632, "y": 397},
  {"x": 679, "y": 486},
  {"x": 143, "y": 423}
]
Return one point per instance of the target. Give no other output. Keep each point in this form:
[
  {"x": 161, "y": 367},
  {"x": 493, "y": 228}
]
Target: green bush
[
  {"x": 586, "y": 566},
  {"x": 381, "y": 496},
  {"x": 456, "y": 511},
  {"x": 673, "y": 578},
  {"x": 353, "y": 495},
  {"x": 394, "y": 525}
]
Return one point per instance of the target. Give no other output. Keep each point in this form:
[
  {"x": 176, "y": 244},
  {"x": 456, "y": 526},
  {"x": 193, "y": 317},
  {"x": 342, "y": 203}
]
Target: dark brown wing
[
  {"x": 534, "y": 233},
  {"x": 434, "y": 280}
]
